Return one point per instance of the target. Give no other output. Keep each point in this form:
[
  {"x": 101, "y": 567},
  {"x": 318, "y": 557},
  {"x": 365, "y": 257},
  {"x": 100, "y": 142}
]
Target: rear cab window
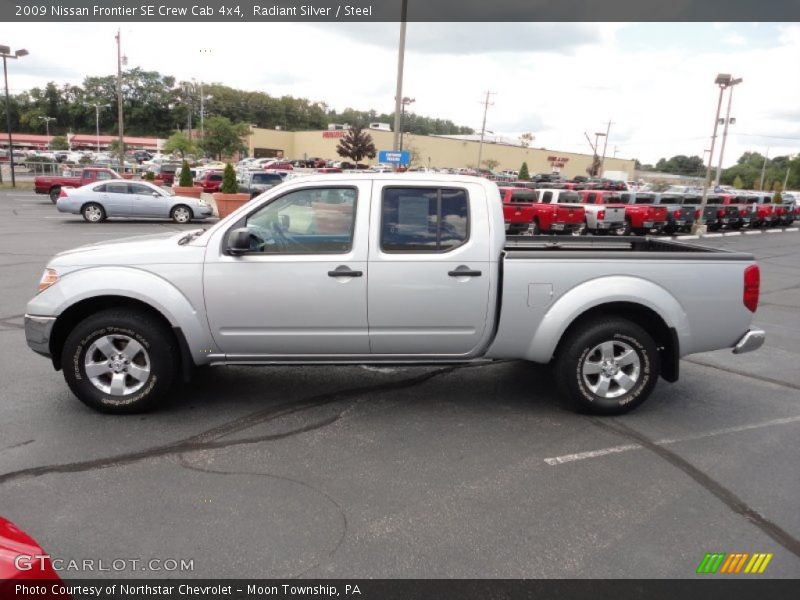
[{"x": 424, "y": 219}]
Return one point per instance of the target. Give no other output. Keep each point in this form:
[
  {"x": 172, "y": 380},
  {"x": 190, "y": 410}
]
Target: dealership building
[{"x": 429, "y": 151}]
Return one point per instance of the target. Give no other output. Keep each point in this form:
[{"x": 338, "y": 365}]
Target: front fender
[
  {"x": 134, "y": 283},
  {"x": 605, "y": 290}
]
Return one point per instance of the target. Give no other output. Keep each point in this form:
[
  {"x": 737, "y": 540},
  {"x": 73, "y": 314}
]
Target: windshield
[{"x": 644, "y": 199}]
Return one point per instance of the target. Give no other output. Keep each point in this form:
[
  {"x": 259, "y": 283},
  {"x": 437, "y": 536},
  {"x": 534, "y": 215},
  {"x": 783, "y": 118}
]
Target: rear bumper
[
  {"x": 37, "y": 333},
  {"x": 752, "y": 340}
]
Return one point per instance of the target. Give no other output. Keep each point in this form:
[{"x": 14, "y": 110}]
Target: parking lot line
[
  {"x": 752, "y": 232},
  {"x": 688, "y": 237},
  {"x": 712, "y": 235},
  {"x": 730, "y": 233},
  {"x": 774, "y": 230},
  {"x": 792, "y": 229},
  {"x": 566, "y": 458}
]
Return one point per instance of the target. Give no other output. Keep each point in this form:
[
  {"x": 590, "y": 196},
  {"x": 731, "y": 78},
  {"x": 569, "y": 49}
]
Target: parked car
[
  {"x": 210, "y": 181},
  {"x": 762, "y": 209},
  {"x": 525, "y": 214},
  {"x": 125, "y": 324},
  {"x": 23, "y": 561},
  {"x": 787, "y": 211},
  {"x": 728, "y": 215},
  {"x": 52, "y": 184},
  {"x": 605, "y": 212},
  {"x": 641, "y": 214},
  {"x": 680, "y": 216},
  {"x": 258, "y": 182},
  {"x": 142, "y": 155},
  {"x": 123, "y": 198},
  {"x": 282, "y": 165}
]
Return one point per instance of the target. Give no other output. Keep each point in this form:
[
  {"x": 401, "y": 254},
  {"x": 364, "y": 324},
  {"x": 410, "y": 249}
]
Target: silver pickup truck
[{"x": 377, "y": 269}]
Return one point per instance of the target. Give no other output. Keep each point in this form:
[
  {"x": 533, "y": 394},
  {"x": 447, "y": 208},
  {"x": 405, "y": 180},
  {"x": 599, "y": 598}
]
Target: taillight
[
  {"x": 721, "y": 213},
  {"x": 780, "y": 211},
  {"x": 601, "y": 214},
  {"x": 752, "y": 282},
  {"x": 697, "y": 213},
  {"x": 797, "y": 210},
  {"x": 62, "y": 193},
  {"x": 743, "y": 212},
  {"x": 676, "y": 214}
]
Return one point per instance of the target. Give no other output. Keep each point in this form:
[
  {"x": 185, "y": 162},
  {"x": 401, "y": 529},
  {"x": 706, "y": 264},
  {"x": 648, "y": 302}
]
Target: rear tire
[
  {"x": 608, "y": 368},
  {"x": 534, "y": 229},
  {"x": 626, "y": 229},
  {"x": 54, "y": 194},
  {"x": 93, "y": 213},
  {"x": 120, "y": 362}
]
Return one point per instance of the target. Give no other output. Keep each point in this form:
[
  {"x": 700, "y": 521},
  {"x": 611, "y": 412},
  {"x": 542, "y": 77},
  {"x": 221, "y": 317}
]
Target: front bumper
[
  {"x": 37, "y": 333},
  {"x": 752, "y": 340}
]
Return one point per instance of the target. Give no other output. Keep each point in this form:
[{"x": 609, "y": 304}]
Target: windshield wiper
[{"x": 190, "y": 236}]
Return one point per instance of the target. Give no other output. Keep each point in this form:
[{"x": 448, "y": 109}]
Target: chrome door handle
[
  {"x": 344, "y": 271},
  {"x": 464, "y": 272}
]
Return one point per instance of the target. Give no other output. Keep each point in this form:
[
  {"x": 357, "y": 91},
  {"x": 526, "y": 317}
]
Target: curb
[{"x": 735, "y": 233}]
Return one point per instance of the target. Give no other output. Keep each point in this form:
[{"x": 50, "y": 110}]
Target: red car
[
  {"x": 641, "y": 215},
  {"x": 22, "y": 560},
  {"x": 523, "y": 212},
  {"x": 210, "y": 181},
  {"x": 279, "y": 165},
  {"x": 52, "y": 184}
]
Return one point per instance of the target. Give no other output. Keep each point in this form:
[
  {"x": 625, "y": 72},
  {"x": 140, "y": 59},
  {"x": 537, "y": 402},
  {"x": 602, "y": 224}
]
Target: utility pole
[
  {"x": 786, "y": 179},
  {"x": 605, "y": 145},
  {"x": 202, "y": 113},
  {"x": 119, "y": 102},
  {"x": 97, "y": 108},
  {"x": 398, "y": 94},
  {"x": 486, "y": 105},
  {"x": 763, "y": 171},
  {"x": 724, "y": 137},
  {"x": 5, "y": 51},
  {"x": 47, "y": 127}
]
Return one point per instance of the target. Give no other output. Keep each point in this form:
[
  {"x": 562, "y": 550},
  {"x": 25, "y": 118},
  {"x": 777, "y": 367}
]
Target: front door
[
  {"x": 302, "y": 289},
  {"x": 430, "y": 273},
  {"x": 145, "y": 204}
]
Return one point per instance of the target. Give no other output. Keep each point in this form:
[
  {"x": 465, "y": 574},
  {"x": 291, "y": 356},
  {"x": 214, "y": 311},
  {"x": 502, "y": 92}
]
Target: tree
[
  {"x": 738, "y": 183},
  {"x": 114, "y": 146},
  {"x": 59, "y": 142},
  {"x": 356, "y": 144},
  {"x": 524, "y": 175},
  {"x": 680, "y": 164},
  {"x": 223, "y": 138},
  {"x": 179, "y": 142},
  {"x": 777, "y": 198},
  {"x": 526, "y": 139},
  {"x": 229, "y": 185},
  {"x": 491, "y": 163},
  {"x": 186, "y": 175}
]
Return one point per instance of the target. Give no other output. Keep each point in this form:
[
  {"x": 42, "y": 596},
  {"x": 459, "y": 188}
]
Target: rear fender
[{"x": 597, "y": 292}]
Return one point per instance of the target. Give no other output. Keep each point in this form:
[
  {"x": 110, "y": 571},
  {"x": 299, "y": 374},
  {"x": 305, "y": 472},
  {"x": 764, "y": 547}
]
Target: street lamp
[
  {"x": 5, "y": 51},
  {"x": 97, "y": 108},
  {"x": 406, "y": 101},
  {"x": 596, "y": 161},
  {"x": 47, "y": 127},
  {"x": 723, "y": 81},
  {"x": 728, "y": 121}
]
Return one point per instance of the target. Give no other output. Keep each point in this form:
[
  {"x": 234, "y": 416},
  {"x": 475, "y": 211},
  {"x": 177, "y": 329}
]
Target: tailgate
[
  {"x": 570, "y": 214},
  {"x": 613, "y": 213},
  {"x": 657, "y": 213}
]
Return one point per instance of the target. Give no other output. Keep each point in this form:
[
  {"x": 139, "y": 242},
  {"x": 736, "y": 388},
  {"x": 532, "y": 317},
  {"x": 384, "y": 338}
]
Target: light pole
[
  {"x": 121, "y": 140},
  {"x": 728, "y": 121},
  {"x": 5, "y": 51},
  {"x": 97, "y": 108},
  {"x": 723, "y": 80},
  {"x": 596, "y": 162},
  {"x": 47, "y": 127},
  {"x": 403, "y": 103},
  {"x": 398, "y": 94}
]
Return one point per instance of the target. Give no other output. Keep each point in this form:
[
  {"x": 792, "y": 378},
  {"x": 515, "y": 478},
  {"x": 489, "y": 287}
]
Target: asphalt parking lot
[{"x": 403, "y": 472}]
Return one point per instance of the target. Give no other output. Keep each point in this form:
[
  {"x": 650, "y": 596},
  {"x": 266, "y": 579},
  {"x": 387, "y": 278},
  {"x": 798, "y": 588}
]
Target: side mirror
[
  {"x": 239, "y": 241},
  {"x": 285, "y": 221},
  {"x": 156, "y": 195}
]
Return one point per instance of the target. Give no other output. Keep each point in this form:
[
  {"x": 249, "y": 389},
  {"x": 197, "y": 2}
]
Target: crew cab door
[
  {"x": 302, "y": 289},
  {"x": 429, "y": 269}
]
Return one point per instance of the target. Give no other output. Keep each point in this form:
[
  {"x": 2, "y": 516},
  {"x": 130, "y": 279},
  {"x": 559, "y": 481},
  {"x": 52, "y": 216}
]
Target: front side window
[
  {"x": 308, "y": 221},
  {"x": 424, "y": 219},
  {"x": 103, "y": 175},
  {"x": 138, "y": 188}
]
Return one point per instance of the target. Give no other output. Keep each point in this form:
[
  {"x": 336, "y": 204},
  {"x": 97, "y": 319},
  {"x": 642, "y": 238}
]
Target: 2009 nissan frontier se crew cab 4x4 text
[{"x": 386, "y": 268}]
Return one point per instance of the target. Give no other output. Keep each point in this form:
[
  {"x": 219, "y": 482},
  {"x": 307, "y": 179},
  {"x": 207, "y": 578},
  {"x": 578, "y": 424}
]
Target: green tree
[
  {"x": 526, "y": 139},
  {"x": 59, "y": 142},
  {"x": 524, "y": 174},
  {"x": 738, "y": 183},
  {"x": 179, "y": 142},
  {"x": 186, "y": 175},
  {"x": 491, "y": 163},
  {"x": 356, "y": 144},
  {"x": 229, "y": 185},
  {"x": 223, "y": 138},
  {"x": 114, "y": 147}
]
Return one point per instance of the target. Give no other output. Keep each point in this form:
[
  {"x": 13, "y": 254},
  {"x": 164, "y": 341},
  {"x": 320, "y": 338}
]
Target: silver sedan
[{"x": 123, "y": 198}]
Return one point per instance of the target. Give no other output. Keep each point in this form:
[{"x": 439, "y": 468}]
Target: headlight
[{"x": 49, "y": 277}]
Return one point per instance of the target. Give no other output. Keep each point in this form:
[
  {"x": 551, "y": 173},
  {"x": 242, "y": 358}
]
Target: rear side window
[
  {"x": 424, "y": 219},
  {"x": 100, "y": 188},
  {"x": 640, "y": 199},
  {"x": 547, "y": 197},
  {"x": 569, "y": 198},
  {"x": 101, "y": 175},
  {"x": 117, "y": 188}
]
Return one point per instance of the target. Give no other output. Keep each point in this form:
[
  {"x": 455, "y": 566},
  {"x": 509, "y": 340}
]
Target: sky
[{"x": 653, "y": 81}]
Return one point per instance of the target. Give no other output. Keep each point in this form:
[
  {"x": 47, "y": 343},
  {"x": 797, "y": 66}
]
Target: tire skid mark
[
  {"x": 726, "y": 496},
  {"x": 212, "y": 438}
]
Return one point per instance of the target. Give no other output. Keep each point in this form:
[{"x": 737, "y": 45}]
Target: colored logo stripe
[{"x": 721, "y": 562}]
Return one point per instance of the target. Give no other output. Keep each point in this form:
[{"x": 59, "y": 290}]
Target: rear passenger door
[
  {"x": 115, "y": 198},
  {"x": 430, "y": 272}
]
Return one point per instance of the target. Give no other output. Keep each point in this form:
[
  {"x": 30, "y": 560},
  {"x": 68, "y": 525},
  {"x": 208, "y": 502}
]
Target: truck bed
[{"x": 551, "y": 246}]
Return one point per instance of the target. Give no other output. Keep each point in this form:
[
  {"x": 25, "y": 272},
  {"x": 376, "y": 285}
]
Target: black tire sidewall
[
  {"x": 148, "y": 334},
  {"x": 176, "y": 208},
  {"x": 570, "y": 362}
]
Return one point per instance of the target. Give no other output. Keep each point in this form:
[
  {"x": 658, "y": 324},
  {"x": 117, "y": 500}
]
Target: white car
[{"x": 123, "y": 198}]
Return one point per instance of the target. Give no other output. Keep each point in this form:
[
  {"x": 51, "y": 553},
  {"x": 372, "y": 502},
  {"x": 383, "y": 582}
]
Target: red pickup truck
[
  {"x": 52, "y": 184},
  {"x": 641, "y": 215},
  {"x": 524, "y": 212},
  {"x": 211, "y": 181}
]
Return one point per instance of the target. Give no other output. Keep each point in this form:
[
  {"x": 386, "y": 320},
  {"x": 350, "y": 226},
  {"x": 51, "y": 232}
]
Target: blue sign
[{"x": 394, "y": 157}]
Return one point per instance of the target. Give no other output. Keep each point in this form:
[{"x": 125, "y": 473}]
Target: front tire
[
  {"x": 93, "y": 213},
  {"x": 119, "y": 362},
  {"x": 608, "y": 368},
  {"x": 181, "y": 214},
  {"x": 534, "y": 229}
]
